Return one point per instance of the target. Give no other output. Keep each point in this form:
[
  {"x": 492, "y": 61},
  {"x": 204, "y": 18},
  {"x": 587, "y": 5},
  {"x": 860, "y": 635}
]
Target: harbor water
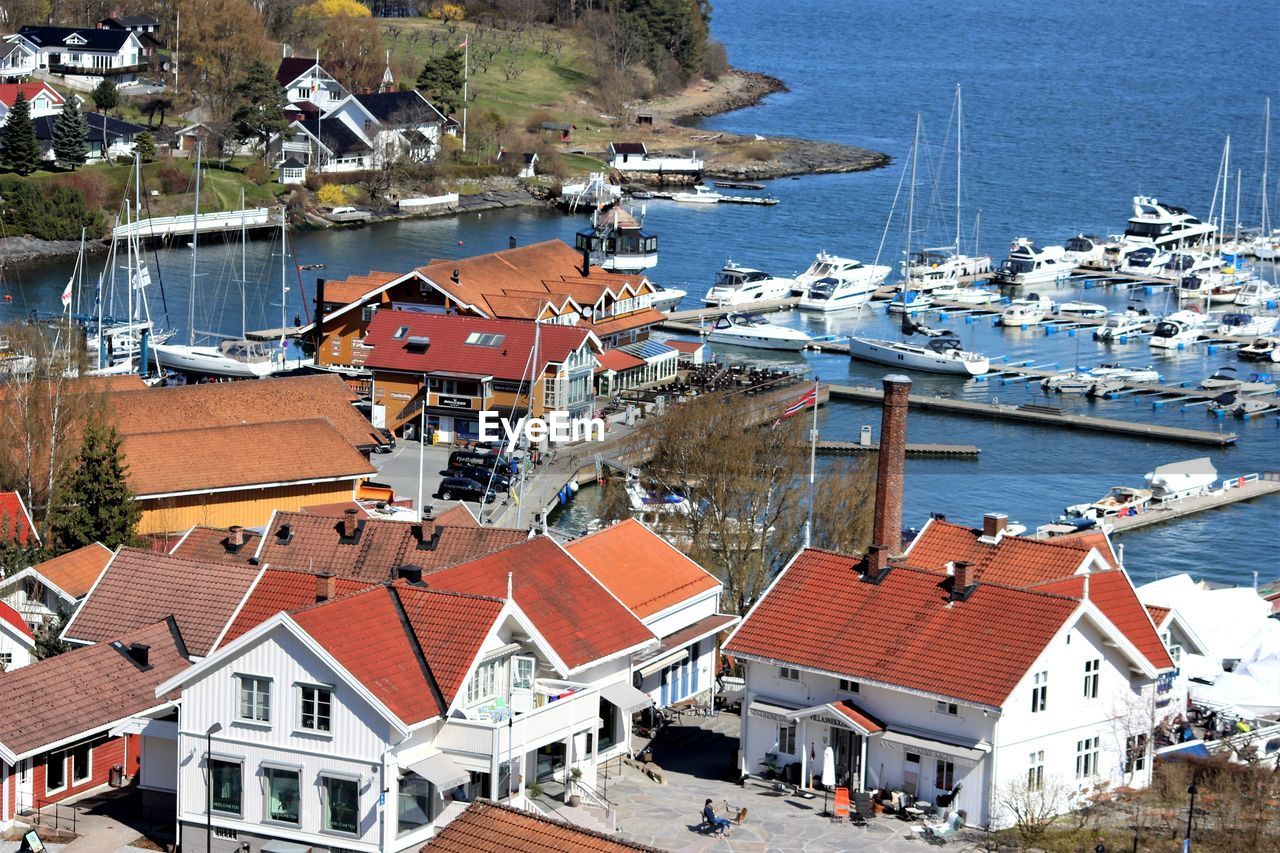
[{"x": 1068, "y": 113}]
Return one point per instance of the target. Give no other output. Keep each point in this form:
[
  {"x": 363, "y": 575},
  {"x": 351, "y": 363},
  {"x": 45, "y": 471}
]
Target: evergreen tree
[
  {"x": 145, "y": 144},
  {"x": 97, "y": 504},
  {"x": 21, "y": 152},
  {"x": 48, "y": 637},
  {"x": 259, "y": 114},
  {"x": 441, "y": 81},
  {"x": 71, "y": 136},
  {"x": 105, "y": 96}
]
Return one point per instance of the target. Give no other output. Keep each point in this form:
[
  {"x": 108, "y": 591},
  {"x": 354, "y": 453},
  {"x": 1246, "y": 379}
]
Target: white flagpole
[
  {"x": 813, "y": 458},
  {"x": 466, "y": 73}
]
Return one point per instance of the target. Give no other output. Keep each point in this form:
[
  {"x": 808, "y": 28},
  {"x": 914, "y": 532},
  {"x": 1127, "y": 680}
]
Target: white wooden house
[{"x": 87, "y": 52}]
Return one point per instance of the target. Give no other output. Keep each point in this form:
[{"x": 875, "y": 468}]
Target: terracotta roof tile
[
  {"x": 336, "y": 510},
  {"x": 640, "y": 567},
  {"x": 85, "y": 690},
  {"x": 864, "y": 720},
  {"x": 618, "y": 361},
  {"x": 1158, "y": 614},
  {"x": 280, "y": 591},
  {"x": 213, "y": 545},
  {"x": 903, "y": 630},
  {"x": 458, "y": 515},
  {"x": 450, "y": 628},
  {"x": 15, "y": 521},
  {"x": 9, "y": 92},
  {"x": 142, "y": 587},
  {"x": 684, "y": 346},
  {"x": 488, "y": 827},
  {"x": 1013, "y": 560},
  {"x": 14, "y": 619},
  {"x": 1113, "y": 593},
  {"x": 1086, "y": 539},
  {"x": 635, "y": 320},
  {"x": 200, "y": 460},
  {"x": 354, "y": 288},
  {"x": 576, "y": 615},
  {"x": 75, "y": 571}
]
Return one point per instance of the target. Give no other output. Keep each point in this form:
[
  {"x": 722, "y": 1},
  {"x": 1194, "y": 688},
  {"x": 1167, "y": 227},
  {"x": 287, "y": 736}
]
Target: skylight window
[
  {"x": 484, "y": 339},
  {"x": 401, "y": 332}
]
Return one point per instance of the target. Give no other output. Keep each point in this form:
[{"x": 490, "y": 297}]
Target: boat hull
[
  {"x": 209, "y": 362},
  {"x": 740, "y": 340},
  {"x": 883, "y": 352}
]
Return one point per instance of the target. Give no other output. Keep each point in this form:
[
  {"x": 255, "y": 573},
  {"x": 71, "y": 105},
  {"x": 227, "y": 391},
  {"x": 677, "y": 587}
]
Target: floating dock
[
  {"x": 163, "y": 227},
  {"x": 738, "y": 185},
  {"x": 1043, "y": 416},
  {"x": 946, "y": 451},
  {"x": 746, "y": 199},
  {"x": 1232, "y": 491}
]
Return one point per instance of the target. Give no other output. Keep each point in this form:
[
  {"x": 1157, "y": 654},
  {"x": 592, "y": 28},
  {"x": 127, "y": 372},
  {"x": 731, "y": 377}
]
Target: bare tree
[{"x": 1032, "y": 805}]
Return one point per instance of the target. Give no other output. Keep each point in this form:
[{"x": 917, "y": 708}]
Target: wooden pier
[
  {"x": 1232, "y": 491},
  {"x": 946, "y": 451},
  {"x": 1043, "y": 416},
  {"x": 164, "y": 227}
]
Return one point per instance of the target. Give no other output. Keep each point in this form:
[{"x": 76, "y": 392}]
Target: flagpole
[
  {"x": 813, "y": 458},
  {"x": 466, "y": 73}
]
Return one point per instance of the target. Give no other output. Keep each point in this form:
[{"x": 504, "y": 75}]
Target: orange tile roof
[
  {"x": 279, "y": 591},
  {"x": 635, "y": 320},
  {"x": 336, "y": 510},
  {"x": 489, "y": 827},
  {"x": 458, "y": 515},
  {"x": 141, "y": 587},
  {"x": 15, "y": 521},
  {"x": 75, "y": 571},
  {"x": 573, "y": 611},
  {"x": 354, "y": 288},
  {"x": 618, "y": 361},
  {"x": 1014, "y": 560},
  {"x": 15, "y": 621},
  {"x": 641, "y": 568},
  {"x": 1086, "y": 539},
  {"x": 213, "y": 545},
  {"x": 904, "y": 630},
  {"x": 1113, "y": 594},
  {"x": 228, "y": 457},
  {"x": 863, "y": 720},
  {"x": 684, "y": 346},
  {"x": 450, "y": 628},
  {"x": 83, "y": 691},
  {"x": 1158, "y": 614}
]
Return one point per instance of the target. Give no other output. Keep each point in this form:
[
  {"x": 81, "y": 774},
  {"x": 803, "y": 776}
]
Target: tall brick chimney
[
  {"x": 887, "y": 528},
  {"x": 349, "y": 523},
  {"x": 326, "y": 587}
]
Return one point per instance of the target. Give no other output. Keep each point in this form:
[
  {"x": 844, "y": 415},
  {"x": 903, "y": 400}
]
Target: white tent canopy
[
  {"x": 1225, "y": 619},
  {"x": 1253, "y": 687}
]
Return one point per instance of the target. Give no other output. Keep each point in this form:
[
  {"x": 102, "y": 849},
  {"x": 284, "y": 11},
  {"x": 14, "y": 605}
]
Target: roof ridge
[
  {"x": 318, "y": 419},
  {"x": 131, "y": 549},
  {"x": 529, "y": 815},
  {"x": 981, "y": 582},
  {"x": 428, "y": 589}
]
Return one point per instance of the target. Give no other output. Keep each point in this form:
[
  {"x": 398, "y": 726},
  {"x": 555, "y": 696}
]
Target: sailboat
[{"x": 943, "y": 353}]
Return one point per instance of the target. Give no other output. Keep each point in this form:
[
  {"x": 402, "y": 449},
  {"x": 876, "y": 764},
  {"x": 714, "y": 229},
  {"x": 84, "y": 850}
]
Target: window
[
  {"x": 944, "y": 776},
  {"x": 948, "y": 708},
  {"x": 1035, "y": 771},
  {"x": 522, "y": 673},
  {"x": 484, "y": 684},
  {"x": 788, "y": 673},
  {"x": 282, "y": 794},
  {"x": 1091, "y": 669},
  {"x": 81, "y": 764},
  {"x": 225, "y": 782},
  {"x": 787, "y": 738},
  {"x": 341, "y": 804},
  {"x": 6, "y": 660},
  {"x": 314, "y": 708},
  {"x": 1040, "y": 692},
  {"x": 414, "y": 798},
  {"x": 367, "y": 312},
  {"x": 1135, "y": 753},
  {"x": 255, "y": 699},
  {"x": 1086, "y": 758},
  {"x": 55, "y": 772},
  {"x": 848, "y": 686}
]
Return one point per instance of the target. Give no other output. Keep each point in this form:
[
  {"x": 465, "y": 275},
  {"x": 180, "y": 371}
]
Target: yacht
[
  {"x": 240, "y": 359},
  {"x": 1182, "y": 479},
  {"x": 753, "y": 330},
  {"x": 1181, "y": 264},
  {"x": 1179, "y": 329},
  {"x": 909, "y": 302},
  {"x": 1164, "y": 226},
  {"x": 1257, "y": 293},
  {"x": 1027, "y": 311},
  {"x": 1263, "y": 349},
  {"x": 737, "y": 285},
  {"x": 1087, "y": 310},
  {"x": 1030, "y": 264},
  {"x": 1084, "y": 250},
  {"x": 666, "y": 298},
  {"x": 940, "y": 355},
  {"x": 1126, "y": 374},
  {"x": 1146, "y": 260},
  {"x": 1121, "y": 324},
  {"x": 698, "y": 194},
  {"x": 1225, "y": 379},
  {"x": 975, "y": 296},
  {"x": 931, "y": 268},
  {"x": 1231, "y": 403},
  {"x": 832, "y": 283},
  {"x": 1246, "y": 325},
  {"x": 1099, "y": 381},
  {"x": 616, "y": 241}
]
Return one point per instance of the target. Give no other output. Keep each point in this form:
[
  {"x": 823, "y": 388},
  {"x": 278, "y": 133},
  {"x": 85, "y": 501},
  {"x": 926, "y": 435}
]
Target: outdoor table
[{"x": 913, "y": 813}]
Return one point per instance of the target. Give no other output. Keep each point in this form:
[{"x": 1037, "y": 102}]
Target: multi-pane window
[
  {"x": 1040, "y": 692},
  {"x": 1135, "y": 753},
  {"x": 848, "y": 686},
  {"x": 948, "y": 708},
  {"x": 787, "y": 738},
  {"x": 341, "y": 804},
  {"x": 788, "y": 673},
  {"x": 1035, "y": 771},
  {"x": 1086, "y": 758},
  {"x": 225, "y": 786},
  {"x": 944, "y": 776},
  {"x": 522, "y": 673},
  {"x": 282, "y": 794},
  {"x": 315, "y": 708},
  {"x": 255, "y": 699},
  {"x": 484, "y": 684},
  {"x": 1091, "y": 670}
]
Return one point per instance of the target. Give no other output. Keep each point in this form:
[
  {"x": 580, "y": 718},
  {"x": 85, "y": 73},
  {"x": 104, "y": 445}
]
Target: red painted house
[{"x": 15, "y": 521}]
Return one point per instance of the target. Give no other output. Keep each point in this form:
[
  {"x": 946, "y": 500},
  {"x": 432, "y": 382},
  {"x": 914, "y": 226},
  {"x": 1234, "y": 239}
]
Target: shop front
[{"x": 845, "y": 729}]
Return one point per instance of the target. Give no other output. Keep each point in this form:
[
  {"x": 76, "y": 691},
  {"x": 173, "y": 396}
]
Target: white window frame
[
  {"x": 254, "y": 720},
  {"x": 1035, "y": 771},
  {"x": 300, "y": 692},
  {"x": 266, "y": 793},
  {"x": 1087, "y": 758},
  {"x": 71, "y": 767},
  {"x": 324, "y": 802},
  {"x": 483, "y": 684},
  {"x": 948, "y": 709},
  {"x": 1040, "y": 692},
  {"x": 947, "y": 769},
  {"x": 848, "y": 685},
  {"x": 788, "y": 673},
  {"x": 224, "y": 759},
  {"x": 516, "y": 663},
  {"x": 787, "y": 738},
  {"x": 1092, "y": 669},
  {"x": 66, "y": 777}
]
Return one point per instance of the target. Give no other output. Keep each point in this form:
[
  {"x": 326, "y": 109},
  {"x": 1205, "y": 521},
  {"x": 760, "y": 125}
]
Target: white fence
[
  {"x": 226, "y": 220},
  {"x": 428, "y": 201}
]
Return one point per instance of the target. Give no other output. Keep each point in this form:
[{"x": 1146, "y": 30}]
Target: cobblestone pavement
[{"x": 697, "y": 759}]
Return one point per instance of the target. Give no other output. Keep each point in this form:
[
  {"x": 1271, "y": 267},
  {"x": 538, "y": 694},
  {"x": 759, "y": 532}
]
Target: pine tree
[
  {"x": 21, "y": 152},
  {"x": 48, "y": 637},
  {"x": 105, "y": 96},
  {"x": 97, "y": 504},
  {"x": 71, "y": 136},
  {"x": 441, "y": 80},
  {"x": 145, "y": 144},
  {"x": 260, "y": 113}
]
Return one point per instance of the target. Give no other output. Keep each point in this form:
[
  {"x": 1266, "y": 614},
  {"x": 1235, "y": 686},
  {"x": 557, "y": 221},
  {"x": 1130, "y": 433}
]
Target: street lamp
[
  {"x": 208, "y": 767},
  {"x": 1191, "y": 810}
]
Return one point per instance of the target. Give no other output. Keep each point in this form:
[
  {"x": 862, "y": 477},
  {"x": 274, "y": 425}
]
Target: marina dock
[
  {"x": 944, "y": 451},
  {"x": 165, "y": 227},
  {"x": 1232, "y": 491},
  {"x": 1043, "y": 416}
]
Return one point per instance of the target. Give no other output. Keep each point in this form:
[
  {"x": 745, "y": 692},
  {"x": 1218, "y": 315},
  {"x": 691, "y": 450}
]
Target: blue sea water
[{"x": 1070, "y": 110}]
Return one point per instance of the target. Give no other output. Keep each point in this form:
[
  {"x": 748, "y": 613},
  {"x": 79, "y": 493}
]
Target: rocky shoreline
[{"x": 752, "y": 90}]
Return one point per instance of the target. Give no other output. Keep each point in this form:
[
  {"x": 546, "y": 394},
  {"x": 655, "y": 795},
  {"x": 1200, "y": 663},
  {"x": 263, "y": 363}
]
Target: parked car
[
  {"x": 459, "y": 459},
  {"x": 463, "y": 489},
  {"x": 498, "y": 480}
]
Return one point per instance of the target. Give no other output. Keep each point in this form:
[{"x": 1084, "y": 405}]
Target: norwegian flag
[{"x": 810, "y": 398}]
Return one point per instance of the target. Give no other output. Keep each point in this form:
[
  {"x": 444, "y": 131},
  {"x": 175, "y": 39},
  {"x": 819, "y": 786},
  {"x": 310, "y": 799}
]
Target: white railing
[
  {"x": 546, "y": 722},
  {"x": 226, "y": 220},
  {"x": 428, "y": 201}
]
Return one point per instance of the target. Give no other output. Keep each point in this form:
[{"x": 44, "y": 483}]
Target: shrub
[
  {"x": 533, "y": 123},
  {"x": 51, "y": 212},
  {"x": 173, "y": 180},
  {"x": 331, "y": 195},
  {"x": 715, "y": 62},
  {"x": 447, "y": 12},
  {"x": 258, "y": 173},
  {"x": 758, "y": 151},
  {"x": 94, "y": 187}
]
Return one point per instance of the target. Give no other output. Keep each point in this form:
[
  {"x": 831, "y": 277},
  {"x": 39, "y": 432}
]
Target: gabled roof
[
  {"x": 458, "y": 515},
  {"x": 642, "y": 569},
  {"x": 618, "y": 361},
  {"x": 1158, "y": 614},
  {"x": 505, "y": 355},
  {"x": 9, "y": 92},
  {"x": 76, "y": 571},
  {"x": 293, "y": 67},
  {"x": 15, "y": 522},
  {"x": 579, "y": 618},
  {"x": 14, "y": 621},
  {"x": 334, "y": 135},
  {"x": 396, "y": 107},
  {"x": 489, "y": 827},
  {"x": 88, "y": 38},
  {"x": 647, "y": 317},
  {"x": 355, "y": 288},
  {"x": 1113, "y": 594},
  {"x": 100, "y": 127},
  {"x": 685, "y": 346},
  {"x": 86, "y": 690},
  {"x": 315, "y": 543},
  {"x": 1013, "y": 560},
  {"x": 903, "y": 631},
  {"x": 141, "y": 587},
  {"x": 628, "y": 148},
  {"x": 214, "y": 545},
  {"x": 280, "y": 591}
]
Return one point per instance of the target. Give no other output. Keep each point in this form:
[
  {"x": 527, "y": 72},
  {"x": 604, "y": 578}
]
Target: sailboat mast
[
  {"x": 244, "y": 279},
  {"x": 128, "y": 266},
  {"x": 284, "y": 265},
  {"x": 195, "y": 230},
  {"x": 911, "y": 202},
  {"x": 1266, "y": 162},
  {"x": 1236, "y": 236},
  {"x": 959, "y": 125}
]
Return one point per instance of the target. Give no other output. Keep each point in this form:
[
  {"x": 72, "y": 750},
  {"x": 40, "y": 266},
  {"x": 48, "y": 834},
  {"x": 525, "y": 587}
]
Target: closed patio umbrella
[{"x": 828, "y": 777}]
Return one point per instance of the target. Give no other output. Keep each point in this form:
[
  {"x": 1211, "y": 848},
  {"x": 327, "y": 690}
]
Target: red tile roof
[
  {"x": 449, "y": 352},
  {"x": 642, "y": 569},
  {"x": 450, "y": 628},
  {"x": 85, "y": 690},
  {"x": 1013, "y": 560},
  {"x": 1086, "y": 539},
  {"x": 684, "y": 346},
  {"x": 354, "y": 288},
  {"x": 488, "y": 827},
  {"x": 572, "y": 611},
  {"x": 15, "y": 620},
  {"x": 618, "y": 361},
  {"x": 904, "y": 630},
  {"x": 863, "y": 720},
  {"x": 9, "y": 92},
  {"x": 336, "y": 510},
  {"x": 75, "y": 571},
  {"x": 1113, "y": 594},
  {"x": 280, "y": 591},
  {"x": 1158, "y": 614},
  {"x": 635, "y": 320},
  {"x": 15, "y": 521},
  {"x": 213, "y": 545},
  {"x": 142, "y": 587},
  {"x": 458, "y": 515}
]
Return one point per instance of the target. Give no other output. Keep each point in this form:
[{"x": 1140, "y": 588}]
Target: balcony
[
  {"x": 549, "y": 720},
  {"x": 93, "y": 71}
]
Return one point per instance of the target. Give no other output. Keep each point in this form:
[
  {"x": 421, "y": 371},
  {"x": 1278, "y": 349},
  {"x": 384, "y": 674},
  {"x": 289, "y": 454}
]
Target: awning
[
  {"x": 167, "y": 729},
  {"x": 1183, "y": 751},
  {"x": 935, "y": 748},
  {"x": 770, "y": 711},
  {"x": 278, "y": 846},
  {"x": 843, "y": 715},
  {"x": 662, "y": 663},
  {"x": 627, "y": 698},
  {"x": 440, "y": 771}
]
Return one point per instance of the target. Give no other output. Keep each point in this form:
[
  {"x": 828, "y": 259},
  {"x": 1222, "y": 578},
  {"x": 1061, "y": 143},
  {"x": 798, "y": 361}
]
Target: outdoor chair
[
  {"x": 941, "y": 833},
  {"x": 862, "y": 802},
  {"x": 841, "y": 805}
]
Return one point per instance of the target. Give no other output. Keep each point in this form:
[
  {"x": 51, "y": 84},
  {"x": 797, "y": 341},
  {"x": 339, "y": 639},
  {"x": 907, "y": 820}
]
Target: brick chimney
[
  {"x": 963, "y": 576},
  {"x": 993, "y": 524},
  {"x": 887, "y": 528},
  {"x": 349, "y": 523},
  {"x": 326, "y": 587}
]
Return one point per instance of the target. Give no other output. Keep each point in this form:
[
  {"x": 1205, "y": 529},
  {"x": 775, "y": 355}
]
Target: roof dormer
[{"x": 75, "y": 40}]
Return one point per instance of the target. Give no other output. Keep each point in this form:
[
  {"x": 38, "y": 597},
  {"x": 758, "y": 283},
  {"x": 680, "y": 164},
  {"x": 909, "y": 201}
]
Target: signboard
[
  {"x": 445, "y": 402},
  {"x": 400, "y": 395},
  {"x": 766, "y": 713},
  {"x": 839, "y": 722}
]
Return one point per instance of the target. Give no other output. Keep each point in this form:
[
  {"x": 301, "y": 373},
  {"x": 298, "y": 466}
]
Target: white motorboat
[
  {"x": 1071, "y": 382},
  {"x": 698, "y": 194},
  {"x": 1029, "y": 264},
  {"x": 666, "y": 298},
  {"x": 832, "y": 283},
  {"x": 910, "y": 302},
  {"x": 1077, "y": 308},
  {"x": 1118, "y": 501},
  {"x": 1182, "y": 479},
  {"x": 738, "y": 285},
  {"x": 1084, "y": 250},
  {"x": 1147, "y": 260},
  {"x": 1231, "y": 403},
  {"x": 1263, "y": 349},
  {"x": 1179, "y": 329},
  {"x": 940, "y": 267},
  {"x": 940, "y": 355},
  {"x": 1098, "y": 380},
  {"x": 1246, "y": 325},
  {"x": 1126, "y": 374},
  {"x": 753, "y": 330},
  {"x": 1028, "y": 310},
  {"x": 1225, "y": 379},
  {"x": 1165, "y": 226},
  {"x": 1121, "y": 324},
  {"x": 1187, "y": 262},
  {"x": 1256, "y": 293},
  {"x": 975, "y": 296},
  {"x": 242, "y": 359}
]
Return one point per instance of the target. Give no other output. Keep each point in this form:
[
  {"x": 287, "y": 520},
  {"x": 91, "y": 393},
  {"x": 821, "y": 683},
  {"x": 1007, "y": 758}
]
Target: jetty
[
  {"x": 1042, "y": 415},
  {"x": 1232, "y": 491},
  {"x": 738, "y": 185},
  {"x": 166, "y": 227},
  {"x": 945, "y": 451}
]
